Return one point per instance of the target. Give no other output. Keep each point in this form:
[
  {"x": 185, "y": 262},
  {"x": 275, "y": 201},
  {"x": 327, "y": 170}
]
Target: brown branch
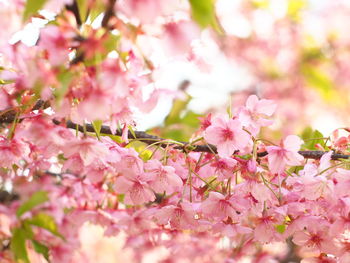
[
  {"x": 109, "y": 13},
  {"x": 150, "y": 139},
  {"x": 9, "y": 115},
  {"x": 73, "y": 7}
]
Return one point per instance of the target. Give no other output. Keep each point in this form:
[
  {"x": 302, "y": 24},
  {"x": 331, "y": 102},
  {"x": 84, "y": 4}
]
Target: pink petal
[{"x": 292, "y": 143}]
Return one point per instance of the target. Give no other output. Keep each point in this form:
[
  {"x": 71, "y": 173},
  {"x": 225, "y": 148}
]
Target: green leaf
[
  {"x": 83, "y": 9},
  {"x": 99, "y": 7},
  {"x": 32, "y": 7},
  {"x": 41, "y": 249},
  {"x": 18, "y": 245},
  {"x": 176, "y": 134},
  {"x": 64, "y": 78},
  {"x": 280, "y": 228},
  {"x": 203, "y": 12},
  {"x": 45, "y": 221},
  {"x": 311, "y": 138},
  {"x": 36, "y": 199},
  {"x": 178, "y": 107},
  {"x": 97, "y": 127},
  {"x": 191, "y": 119}
]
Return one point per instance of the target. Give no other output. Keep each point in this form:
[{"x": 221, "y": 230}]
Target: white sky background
[{"x": 209, "y": 90}]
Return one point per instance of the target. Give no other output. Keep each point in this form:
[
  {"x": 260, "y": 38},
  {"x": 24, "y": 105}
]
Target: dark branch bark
[
  {"x": 150, "y": 139},
  {"x": 109, "y": 13},
  {"x": 9, "y": 115},
  {"x": 73, "y": 7}
]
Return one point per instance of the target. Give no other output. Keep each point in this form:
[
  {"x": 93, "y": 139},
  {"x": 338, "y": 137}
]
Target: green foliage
[
  {"x": 35, "y": 200},
  {"x": 311, "y": 138},
  {"x": 317, "y": 79},
  {"x": 179, "y": 106},
  {"x": 65, "y": 79},
  {"x": 83, "y": 9},
  {"x": 32, "y": 7},
  {"x": 41, "y": 249},
  {"x": 97, "y": 127},
  {"x": 18, "y": 245},
  {"x": 203, "y": 13},
  {"x": 99, "y": 7},
  {"x": 45, "y": 221}
]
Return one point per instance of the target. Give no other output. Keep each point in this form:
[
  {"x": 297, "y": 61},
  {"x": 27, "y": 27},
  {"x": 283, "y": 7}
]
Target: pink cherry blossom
[
  {"x": 56, "y": 44},
  {"x": 88, "y": 149},
  {"x": 163, "y": 178},
  {"x": 136, "y": 189},
  {"x": 12, "y": 151},
  {"x": 227, "y": 135},
  {"x": 178, "y": 36},
  {"x": 286, "y": 154},
  {"x": 256, "y": 112},
  {"x": 179, "y": 216},
  {"x": 224, "y": 168}
]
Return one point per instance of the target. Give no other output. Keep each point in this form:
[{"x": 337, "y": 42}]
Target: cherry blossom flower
[
  {"x": 163, "y": 178},
  {"x": 56, "y": 44},
  {"x": 286, "y": 154},
  {"x": 227, "y": 135},
  {"x": 88, "y": 149},
  {"x": 256, "y": 112},
  {"x": 181, "y": 216},
  {"x": 178, "y": 36},
  {"x": 224, "y": 168},
  {"x": 315, "y": 240},
  {"x": 218, "y": 206},
  {"x": 12, "y": 151},
  {"x": 136, "y": 189}
]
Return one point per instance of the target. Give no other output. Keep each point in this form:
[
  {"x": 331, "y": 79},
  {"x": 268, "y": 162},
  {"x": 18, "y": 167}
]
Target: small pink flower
[
  {"x": 89, "y": 150},
  {"x": 135, "y": 188},
  {"x": 181, "y": 216},
  {"x": 164, "y": 178},
  {"x": 286, "y": 154},
  {"x": 218, "y": 206},
  {"x": 12, "y": 151},
  {"x": 227, "y": 135},
  {"x": 315, "y": 239},
  {"x": 224, "y": 168},
  {"x": 179, "y": 36},
  {"x": 256, "y": 112},
  {"x": 56, "y": 44}
]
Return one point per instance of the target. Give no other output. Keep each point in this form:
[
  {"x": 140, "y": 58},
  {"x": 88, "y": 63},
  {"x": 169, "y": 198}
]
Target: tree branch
[
  {"x": 150, "y": 139},
  {"x": 9, "y": 115},
  {"x": 109, "y": 13},
  {"x": 73, "y": 7}
]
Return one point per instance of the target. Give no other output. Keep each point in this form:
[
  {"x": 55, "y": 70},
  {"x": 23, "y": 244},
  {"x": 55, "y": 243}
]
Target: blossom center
[{"x": 227, "y": 134}]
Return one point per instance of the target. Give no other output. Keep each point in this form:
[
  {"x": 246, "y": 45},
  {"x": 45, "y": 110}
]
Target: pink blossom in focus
[
  {"x": 286, "y": 154},
  {"x": 256, "y": 112},
  {"x": 89, "y": 150},
  {"x": 227, "y": 135},
  {"x": 163, "y": 178},
  {"x": 135, "y": 188},
  {"x": 224, "y": 168}
]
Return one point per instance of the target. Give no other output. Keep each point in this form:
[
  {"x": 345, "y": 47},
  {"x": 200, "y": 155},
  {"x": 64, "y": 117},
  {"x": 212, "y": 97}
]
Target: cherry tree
[{"x": 225, "y": 188}]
